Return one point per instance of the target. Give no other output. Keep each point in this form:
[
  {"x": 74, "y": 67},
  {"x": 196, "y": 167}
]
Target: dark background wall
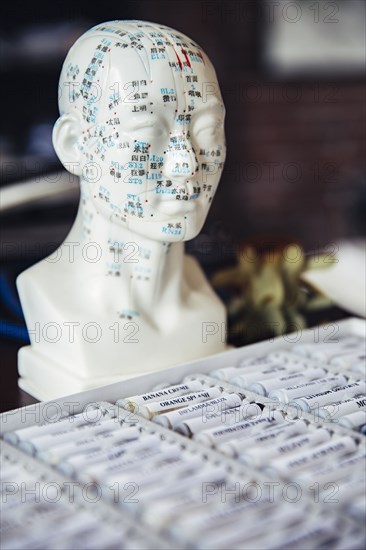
[{"x": 295, "y": 166}]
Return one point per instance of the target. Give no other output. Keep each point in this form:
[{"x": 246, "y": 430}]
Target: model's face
[{"x": 158, "y": 147}]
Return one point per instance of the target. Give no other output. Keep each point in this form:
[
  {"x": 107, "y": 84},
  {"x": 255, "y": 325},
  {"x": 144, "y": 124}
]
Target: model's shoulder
[{"x": 40, "y": 273}]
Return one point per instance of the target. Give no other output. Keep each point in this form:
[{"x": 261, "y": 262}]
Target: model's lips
[{"x": 174, "y": 206}]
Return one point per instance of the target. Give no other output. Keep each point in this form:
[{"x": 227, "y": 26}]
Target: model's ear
[{"x": 66, "y": 133}]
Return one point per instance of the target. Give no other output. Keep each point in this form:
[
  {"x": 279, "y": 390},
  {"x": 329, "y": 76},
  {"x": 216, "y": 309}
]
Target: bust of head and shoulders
[{"x": 142, "y": 124}]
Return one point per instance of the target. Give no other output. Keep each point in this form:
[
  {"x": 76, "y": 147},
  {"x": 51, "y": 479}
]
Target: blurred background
[{"x": 292, "y": 76}]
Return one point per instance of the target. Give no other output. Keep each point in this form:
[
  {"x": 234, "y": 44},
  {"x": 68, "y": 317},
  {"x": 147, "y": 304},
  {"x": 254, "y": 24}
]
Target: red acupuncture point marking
[
  {"x": 179, "y": 61},
  {"x": 186, "y": 56}
]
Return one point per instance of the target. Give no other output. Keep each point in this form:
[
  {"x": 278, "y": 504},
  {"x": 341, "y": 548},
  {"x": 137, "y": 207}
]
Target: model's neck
[{"x": 142, "y": 274}]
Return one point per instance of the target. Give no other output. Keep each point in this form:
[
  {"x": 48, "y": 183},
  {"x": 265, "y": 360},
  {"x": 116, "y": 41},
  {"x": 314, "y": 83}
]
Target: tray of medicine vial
[{"x": 261, "y": 447}]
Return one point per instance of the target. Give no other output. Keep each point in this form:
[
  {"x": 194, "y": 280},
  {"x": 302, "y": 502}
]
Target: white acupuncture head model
[
  {"x": 142, "y": 122},
  {"x": 142, "y": 125}
]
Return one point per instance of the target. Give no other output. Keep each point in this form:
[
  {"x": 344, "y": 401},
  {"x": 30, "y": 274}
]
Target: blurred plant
[{"x": 267, "y": 292}]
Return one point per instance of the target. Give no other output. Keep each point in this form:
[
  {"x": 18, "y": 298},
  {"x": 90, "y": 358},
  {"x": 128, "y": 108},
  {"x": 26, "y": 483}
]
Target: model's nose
[{"x": 180, "y": 159}]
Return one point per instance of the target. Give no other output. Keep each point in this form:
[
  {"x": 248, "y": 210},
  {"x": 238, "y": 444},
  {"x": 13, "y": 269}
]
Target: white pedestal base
[{"x": 47, "y": 380}]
